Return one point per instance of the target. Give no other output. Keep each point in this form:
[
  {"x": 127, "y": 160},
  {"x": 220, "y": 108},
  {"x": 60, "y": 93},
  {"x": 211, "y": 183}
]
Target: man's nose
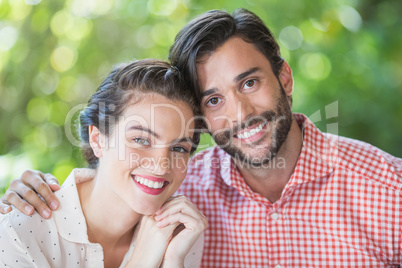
[{"x": 239, "y": 108}]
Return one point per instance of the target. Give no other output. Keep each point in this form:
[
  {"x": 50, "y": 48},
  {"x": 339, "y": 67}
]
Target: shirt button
[
  {"x": 278, "y": 266},
  {"x": 275, "y": 216}
]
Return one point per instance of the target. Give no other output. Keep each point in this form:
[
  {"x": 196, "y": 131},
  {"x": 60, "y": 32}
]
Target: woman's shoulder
[
  {"x": 25, "y": 227},
  {"x": 22, "y": 238}
]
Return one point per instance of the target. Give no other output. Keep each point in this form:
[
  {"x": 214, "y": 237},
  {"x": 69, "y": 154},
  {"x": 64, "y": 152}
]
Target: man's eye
[
  {"x": 249, "y": 84},
  {"x": 213, "y": 101},
  {"x": 141, "y": 141}
]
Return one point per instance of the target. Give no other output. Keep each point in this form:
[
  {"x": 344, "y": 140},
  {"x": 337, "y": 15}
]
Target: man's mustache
[{"x": 266, "y": 116}]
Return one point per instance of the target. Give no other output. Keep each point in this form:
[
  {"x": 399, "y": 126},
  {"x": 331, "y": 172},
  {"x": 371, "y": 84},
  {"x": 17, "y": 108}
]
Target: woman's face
[{"x": 144, "y": 160}]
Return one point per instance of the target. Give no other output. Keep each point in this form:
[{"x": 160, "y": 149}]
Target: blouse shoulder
[{"x": 16, "y": 235}]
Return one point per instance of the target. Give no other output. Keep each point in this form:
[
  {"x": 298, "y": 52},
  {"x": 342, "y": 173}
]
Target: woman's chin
[{"x": 147, "y": 210}]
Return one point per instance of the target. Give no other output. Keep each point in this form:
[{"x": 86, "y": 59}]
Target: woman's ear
[
  {"x": 286, "y": 78},
  {"x": 95, "y": 140}
]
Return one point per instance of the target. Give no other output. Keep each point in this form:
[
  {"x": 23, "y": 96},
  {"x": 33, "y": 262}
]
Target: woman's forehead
[
  {"x": 159, "y": 114},
  {"x": 149, "y": 102}
]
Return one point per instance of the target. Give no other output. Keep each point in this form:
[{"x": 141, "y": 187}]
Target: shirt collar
[
  {"x": 71, "y": 207},
  {"x": 318, "y": 156}
]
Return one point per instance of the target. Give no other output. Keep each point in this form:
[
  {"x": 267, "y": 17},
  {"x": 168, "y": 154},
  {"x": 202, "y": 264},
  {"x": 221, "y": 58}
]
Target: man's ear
[
  {"x": 95, "y": 140},
  {"x": 286, "y": 78}
]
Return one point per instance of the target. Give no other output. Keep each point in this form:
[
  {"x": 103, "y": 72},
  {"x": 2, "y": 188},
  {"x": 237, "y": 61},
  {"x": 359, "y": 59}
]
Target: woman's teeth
[
  {"x": 149, "y": 183},
  {"x": 248, "y": 134}
]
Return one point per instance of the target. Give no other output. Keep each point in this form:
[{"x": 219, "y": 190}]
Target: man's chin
[
  {"x": 250, "y": 156},
  {"x": 255, "y": 160}
]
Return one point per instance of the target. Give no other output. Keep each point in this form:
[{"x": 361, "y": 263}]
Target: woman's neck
[{"x": 109, "y": 222}]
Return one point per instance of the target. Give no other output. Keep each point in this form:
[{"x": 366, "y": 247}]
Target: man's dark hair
[{"x": 204, "y": 34}]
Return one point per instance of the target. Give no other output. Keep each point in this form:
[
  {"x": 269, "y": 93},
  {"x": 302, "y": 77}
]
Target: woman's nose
[{"x": 159, "y": 162}]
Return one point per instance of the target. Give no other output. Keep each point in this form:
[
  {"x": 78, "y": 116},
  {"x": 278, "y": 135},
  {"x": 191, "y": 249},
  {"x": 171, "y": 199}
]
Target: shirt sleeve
[{"x": 12, "y": 251}]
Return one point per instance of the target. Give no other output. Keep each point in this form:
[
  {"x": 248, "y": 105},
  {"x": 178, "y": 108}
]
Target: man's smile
[{"x": 252, "y": 133}]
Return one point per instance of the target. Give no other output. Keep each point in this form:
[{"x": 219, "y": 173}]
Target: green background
[{"x": 346, "y": 59}]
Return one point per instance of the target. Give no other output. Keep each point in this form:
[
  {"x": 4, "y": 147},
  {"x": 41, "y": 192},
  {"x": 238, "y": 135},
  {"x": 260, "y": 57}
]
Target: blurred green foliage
[{"x": 345, "y": 54}]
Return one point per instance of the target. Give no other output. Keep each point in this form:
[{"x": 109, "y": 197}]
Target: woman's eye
[
  {"x": 249, "y": 84},
  {"x": 141, "y": 141},
  {"x": 213, "y": 101},
  {"x": 179, "y": 149}
]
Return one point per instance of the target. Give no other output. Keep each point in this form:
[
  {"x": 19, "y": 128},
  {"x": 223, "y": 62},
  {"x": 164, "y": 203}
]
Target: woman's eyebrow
[
  {"x": 143, "y": 129},
  {"x": 184, "y": 139}
]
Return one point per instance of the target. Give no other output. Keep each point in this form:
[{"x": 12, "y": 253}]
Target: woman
[{"x": 137, "y": 133}]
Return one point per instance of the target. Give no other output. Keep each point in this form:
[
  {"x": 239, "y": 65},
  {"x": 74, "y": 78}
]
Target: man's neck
[{"x": 270, "y": 180}]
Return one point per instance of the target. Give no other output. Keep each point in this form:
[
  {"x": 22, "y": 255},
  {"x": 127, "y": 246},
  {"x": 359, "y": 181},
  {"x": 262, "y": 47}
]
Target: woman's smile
[{"x": 150, "y": 185}]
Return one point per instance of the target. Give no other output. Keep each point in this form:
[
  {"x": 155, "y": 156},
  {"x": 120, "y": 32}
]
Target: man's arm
[{"x": 33, "y": 190}]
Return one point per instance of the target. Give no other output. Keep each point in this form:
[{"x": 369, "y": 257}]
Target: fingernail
[
  {"x": 157, "y": 217},
  {"x": 28, "y": 209},
  {"x": 6, "y": 209},
  {"x": 53, "y": 205},
  {"x": 46, "y": 213}
]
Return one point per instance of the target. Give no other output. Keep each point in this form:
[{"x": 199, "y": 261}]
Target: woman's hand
[
  {"x": 179, "y": 211},
  {"x": 166, "y": 238},
  {"x": 150, "y": 244},
  {"x": 24, "y": 193}
]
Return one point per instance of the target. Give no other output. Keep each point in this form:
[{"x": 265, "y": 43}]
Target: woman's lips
[{"x": 150, "y": 185}]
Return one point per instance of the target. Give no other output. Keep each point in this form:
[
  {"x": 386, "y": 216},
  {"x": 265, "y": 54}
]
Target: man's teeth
[
  {"x": 149, "y": 183},
  {"x": 248, "y": 134}
]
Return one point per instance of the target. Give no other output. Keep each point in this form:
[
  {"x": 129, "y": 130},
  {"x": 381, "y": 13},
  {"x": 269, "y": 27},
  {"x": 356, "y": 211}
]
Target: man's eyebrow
[
  {"x": 208, "y": 92},
  {"x": 143, "y": 129},
  {"x": 236, "y": 79},
  {"x": 246, "y": 73}
]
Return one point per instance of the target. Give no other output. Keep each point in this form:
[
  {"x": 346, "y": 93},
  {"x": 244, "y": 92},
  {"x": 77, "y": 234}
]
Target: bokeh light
[
  {"x": 315, "y": 66},
  {"x": 291, "y": 37},
  {"x": 162, "y": 7},
  {"x": 8, "y": 37},
  {"x": 350, "y": 18},
  {"x": 63, "y": 58}
]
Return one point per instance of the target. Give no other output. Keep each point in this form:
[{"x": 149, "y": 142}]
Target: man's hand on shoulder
[{"x": 32, "y": 191}]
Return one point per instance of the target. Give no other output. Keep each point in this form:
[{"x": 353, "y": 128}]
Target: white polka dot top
[{"x": 62, "y": 240}]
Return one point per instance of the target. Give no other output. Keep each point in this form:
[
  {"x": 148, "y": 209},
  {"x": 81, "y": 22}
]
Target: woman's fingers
[
  {"x": 190, "y": 223},
  {"x": 181, "y": 210},
  {"x": 151, "y": 243},
  {"x": 178, "y": 204}
]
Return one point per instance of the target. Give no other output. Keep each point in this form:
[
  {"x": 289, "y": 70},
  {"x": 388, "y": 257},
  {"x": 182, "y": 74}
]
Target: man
[{"x": 277, "y": 192}]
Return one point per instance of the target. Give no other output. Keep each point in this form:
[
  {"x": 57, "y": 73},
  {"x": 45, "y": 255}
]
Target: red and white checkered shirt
[{"x": 341, "y": 208}]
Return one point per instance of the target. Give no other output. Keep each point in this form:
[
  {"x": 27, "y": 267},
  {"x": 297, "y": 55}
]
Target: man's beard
[{"x": 279, "y": 122}]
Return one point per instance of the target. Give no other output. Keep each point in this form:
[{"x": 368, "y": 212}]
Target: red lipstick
[{"x": 149, "y": 184}]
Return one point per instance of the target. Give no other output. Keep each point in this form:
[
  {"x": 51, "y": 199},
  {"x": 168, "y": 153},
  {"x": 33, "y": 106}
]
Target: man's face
[{"x": 244, "y": 103}]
